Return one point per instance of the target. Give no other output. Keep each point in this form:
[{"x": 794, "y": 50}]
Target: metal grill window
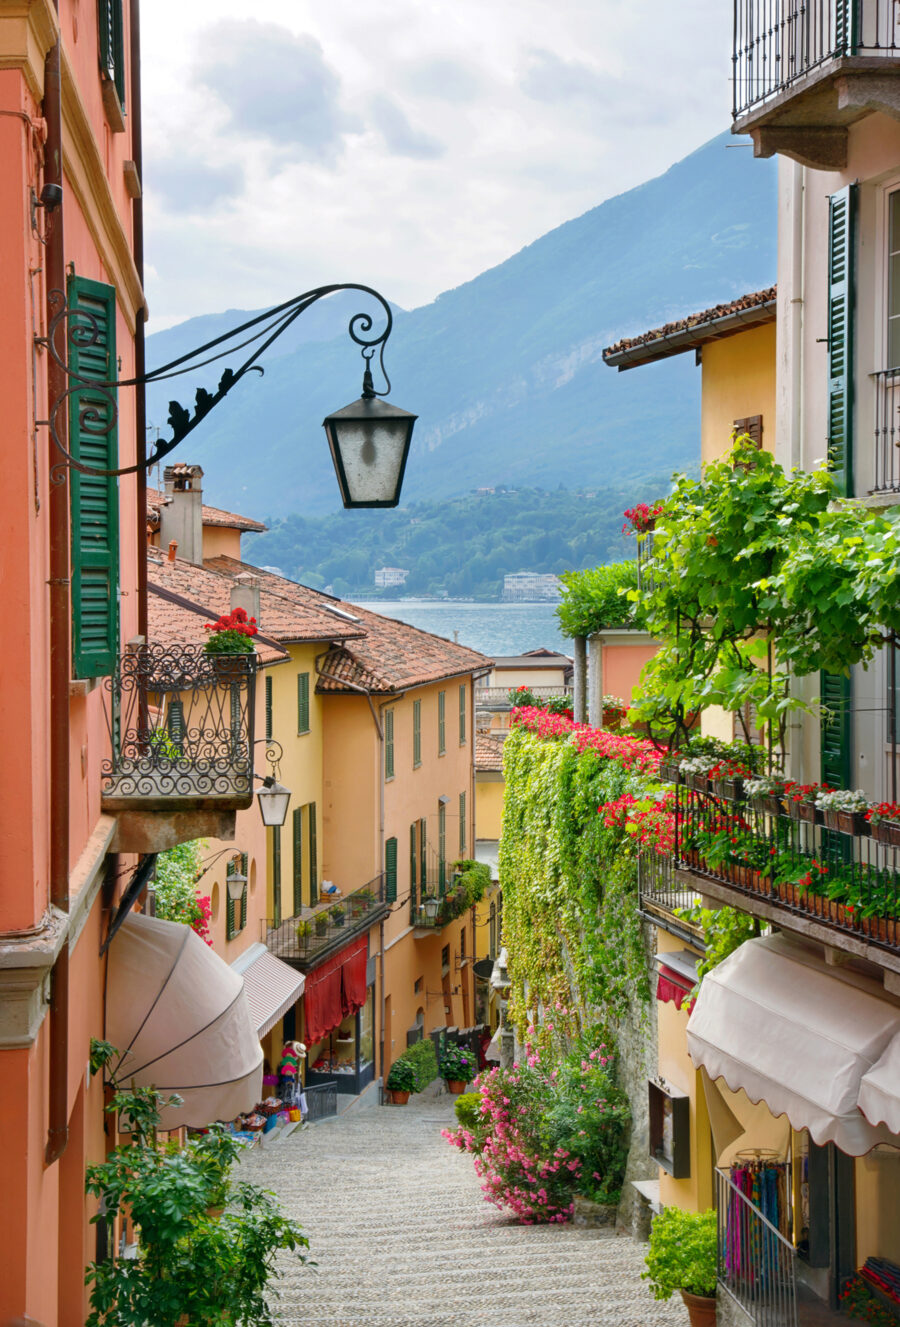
[{"x": 893, "y": 302}]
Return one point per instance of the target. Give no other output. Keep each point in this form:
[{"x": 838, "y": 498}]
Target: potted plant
[
  {"x": 884, "y": 822},
  {"x": 401, "y": 1080},
  {"x": 337, "y": 914},
  {"x": 682, "y": 1256},
  {"x": 695, "y": 771},
  {"x": 361, "y": 902},
  {"x": 767, "y": 792},
  {"x": 229, "y": 641},
  {"x": 320, "y": 923},
  {"x": 801, "y": 801},
  {"x": 302, "y": 930},
  {"x": 458, "y": 1066},
  {"x": 844, "y": 810}
]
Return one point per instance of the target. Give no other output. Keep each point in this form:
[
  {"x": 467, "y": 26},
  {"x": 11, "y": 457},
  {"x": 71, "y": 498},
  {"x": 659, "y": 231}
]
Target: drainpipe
[
  {"x": 140, "y": 404},
  {"x": 59, "y": 613}
]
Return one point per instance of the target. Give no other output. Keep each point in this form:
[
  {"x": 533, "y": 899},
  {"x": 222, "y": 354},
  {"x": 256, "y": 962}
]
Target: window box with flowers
[
  {"x": 844, "y": 810},
  {"x": 884, "y": 823}
]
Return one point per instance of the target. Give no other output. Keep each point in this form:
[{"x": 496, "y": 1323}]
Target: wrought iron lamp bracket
[
  {"x": 274, "y": 755},
  {"x": 83, "y": 330}
]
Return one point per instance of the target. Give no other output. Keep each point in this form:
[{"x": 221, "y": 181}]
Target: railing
[
  {"x": 644, "y": 557},
  {"x": 831, "y": 866},
  {"x": 777, "y": 42},
  {"x": 658, "y": 885},
  {"x": 438, "y": 900},
  {"x": 756, "y": 1263},
  {"x": 500, "y": 695},
  {"x": 887, "y": 431},
  {"x": 321, "y": 1100},
  {"x": 333, "y": 921},
  {"x": 180, "y": 726}
]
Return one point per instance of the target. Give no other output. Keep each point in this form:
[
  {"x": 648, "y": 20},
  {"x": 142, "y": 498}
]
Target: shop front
[{"x": 339, "y": 1014}]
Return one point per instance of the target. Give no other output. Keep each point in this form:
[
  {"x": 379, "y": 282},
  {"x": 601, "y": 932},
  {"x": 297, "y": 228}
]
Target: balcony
[
  {"x": 826, "y": 875},
  {"x": 307, "y": 938},
  {"x": 180, "y": 725},
  {"x": 804, "y": 70},
  {"x": 497, "y": 698},
  {"x": 887, "y": 431}
]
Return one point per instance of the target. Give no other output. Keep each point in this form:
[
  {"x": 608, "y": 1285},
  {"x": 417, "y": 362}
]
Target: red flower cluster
[
  {"x": 884, "y": 811},
  {"x": 634, "y": 752},
  {"x": 730, "y": 769},
  {"x": 237, "y": 620},
  {"x": 805, "y": 792},
  {"x": 640, "y": 519},
  {"x": 653, "y": 827}
]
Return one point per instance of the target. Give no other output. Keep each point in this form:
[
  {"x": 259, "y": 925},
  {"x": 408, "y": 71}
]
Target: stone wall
[{"x": 637, "y": 1046}]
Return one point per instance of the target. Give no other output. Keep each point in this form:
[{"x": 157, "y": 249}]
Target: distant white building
[
  {"x": 530, "y": 586},
  {"x": 387, "y": 577}
]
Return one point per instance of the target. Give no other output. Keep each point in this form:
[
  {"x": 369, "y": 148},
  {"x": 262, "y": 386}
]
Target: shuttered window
[
  {"x": 389, "y": 744},
  {"x": 112, "y": 45},
  {"x": 313, "y": 855},
  {"x": 268, "y": 709},
  {"x": 841, "y": 258},
  {"x": 390, "y": 871},
  {"x": 423, "y": 859},
  {"x": 462, "y": 715},
  {"x": 93, "y": 440},
  {"x": 442, "y": 846},
  {"x": 412, "y": 872},
  {"x": 303, "y": 702},
  {"x": 417, "y": 733},
  {"x": 298, "y": 858},
  {"x": 836, "y": 698},
  {"x": 752, "y": 425},
  {"x": 442, "y": 723},
  {"x": 462, "y": 824}
]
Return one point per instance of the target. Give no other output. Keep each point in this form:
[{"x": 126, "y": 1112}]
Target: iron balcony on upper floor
[
  {"x": 307, "y": 938},
  {"x": 805, "y": 70}
]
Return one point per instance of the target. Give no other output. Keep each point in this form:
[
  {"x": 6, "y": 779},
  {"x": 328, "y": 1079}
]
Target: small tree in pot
[
  {"x": 401, "y": 1080},
  {"x": 682, "y": 1256}
]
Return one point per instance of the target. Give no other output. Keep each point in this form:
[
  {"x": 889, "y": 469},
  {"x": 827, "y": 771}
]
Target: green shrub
[
  {"x": 682, "y": 1253},
  {"x": 591, "y": 600},
  {"x": 401, "y": 1077},
  {"x": 423, "y": 1060},
  {"x": 468, "y": 1109},
  {"x": 458, "y": 1063}
]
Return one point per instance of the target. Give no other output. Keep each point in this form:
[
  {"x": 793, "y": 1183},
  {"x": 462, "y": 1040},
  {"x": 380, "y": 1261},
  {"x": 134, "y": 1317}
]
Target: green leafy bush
[
  {"x": 423, "y": 1059},
  {"x": 589, "y": 1116},
  {"x": 458, "y": 1064},
  {"x": 682, "y": 1253},
  {"x": 175, "y": 885},
  {"x": 597, "y": 599},
  {"x": 467, "y": 1109},
  {"x": 401, "y": 1077}
]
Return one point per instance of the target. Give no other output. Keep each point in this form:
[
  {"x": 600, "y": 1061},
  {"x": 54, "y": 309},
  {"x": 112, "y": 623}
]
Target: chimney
[
  {"x": 173, "y": 549},
  {"x": 245, "y": 594},
  {"x": 181, "y": 514}
]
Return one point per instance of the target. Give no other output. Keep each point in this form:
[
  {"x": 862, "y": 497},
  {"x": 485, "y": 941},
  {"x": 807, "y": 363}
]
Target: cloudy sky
[{"x": 405, "y": 144}]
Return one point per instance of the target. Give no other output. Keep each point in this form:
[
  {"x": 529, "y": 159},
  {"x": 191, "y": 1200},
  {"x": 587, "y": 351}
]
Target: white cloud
[{"x": 408, "y": 146}]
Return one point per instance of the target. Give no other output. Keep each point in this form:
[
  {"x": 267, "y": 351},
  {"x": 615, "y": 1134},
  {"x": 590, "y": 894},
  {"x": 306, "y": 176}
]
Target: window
[
  {"x": 462, "y": 943},
  {"x": 893, "y": 303},
  {"x": 235, "y": 909},
  {"x": 298, "y": 859},
  {"x": 417, "y": 733},
  {"x": 462, "y": 715},
  {"x": 390, "y": 871},
  {"x": 94, "y": 498},
  {"x": 112, "y": 62},
  {"x": 423, "y": 858},
  {"x": 893, "y": 720},
  {"x": 276, "y": 874},
  {"x": 462, "y": 824},
  {"x": 312, "y": 835},
  {"x": 445, "y": 960},
  {"x": 442, "y": 846},
  {"x": 268, "y": 709},
  {"x": 419, "y": 986},
  {"x": 753, "y": 426},
  {"x": 303, "y": 703},
  {"x": 389, "y": 744},
  {"x": 413, "y": 863},
  {"x": 442, "y": 727}
]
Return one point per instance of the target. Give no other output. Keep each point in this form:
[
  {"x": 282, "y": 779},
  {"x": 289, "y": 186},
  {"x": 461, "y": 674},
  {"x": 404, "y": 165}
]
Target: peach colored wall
[
  {"x": 622, "y": 665},
  {"x": 221, "y": 542},
  {"x": 351, "y": 794},
  {"x": 738, "y": 380}
]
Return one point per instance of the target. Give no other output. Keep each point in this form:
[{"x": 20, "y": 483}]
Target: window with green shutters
[
  {"x": 442, "y": 846},
  {"x": 413, "y": 900},
  {"x": 842, "y": 208},
  {"x": 312, "y": 834},
  {"x": 836, "y": 694},
  {"x": 390, "y": 871},
  {"x": 442, "y": 724},
  {"x": 112, "y": 45},
  {"x": 268, "y": 709},
  {"x": 417, "y": 733},
  {"x": 93, "y": 439},
  {"x": 276, "y": 874},
  {"x": 303, "y": 703},
  {"x": 462, "y": 715},
  {"x": 462, "y": 824},
  {"x": 235, "y": 909},
  {"x": 389, "y": 744},
  {"x": 297, "y": 821},
  {"x": 423, "y": 859}
]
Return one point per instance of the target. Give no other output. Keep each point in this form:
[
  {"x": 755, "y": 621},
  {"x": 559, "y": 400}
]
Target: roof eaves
[
  {"x": 179, "y": 600},
  {"x": 662, "y": 345}
]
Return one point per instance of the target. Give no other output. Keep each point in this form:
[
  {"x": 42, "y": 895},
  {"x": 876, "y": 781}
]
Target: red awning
[
  {"x": 672, "y": 986},
  {"x": 336, "y": 989}
]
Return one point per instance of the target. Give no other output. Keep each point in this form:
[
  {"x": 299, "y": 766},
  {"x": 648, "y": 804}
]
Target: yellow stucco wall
[
  {"x": 220, "y": 541},
  {"x": 488, "y": 805},
  {"x": 738, "y": 380}
]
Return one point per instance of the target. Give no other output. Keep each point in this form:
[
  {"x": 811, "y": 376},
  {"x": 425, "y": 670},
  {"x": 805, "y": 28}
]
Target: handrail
[{"x": 756, "y": 1263}]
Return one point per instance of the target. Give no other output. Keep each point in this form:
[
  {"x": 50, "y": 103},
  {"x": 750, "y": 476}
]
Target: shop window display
[{"x": 346, "y": 1055}]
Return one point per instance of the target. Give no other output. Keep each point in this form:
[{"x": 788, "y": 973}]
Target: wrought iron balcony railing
[
  {"x": 778, "y": 42},
  {"x": 832, "y": 867},
  {"x": 491, "y": 697},
  {"x": 180, "y": 725},
  {"x": 329, "y": 925},
  {"x": 757, "y": 1264},
  {"x": 887, "y": 431},
  {"x": 644, "y": 558},
  {"x": 659, "y": 888}
]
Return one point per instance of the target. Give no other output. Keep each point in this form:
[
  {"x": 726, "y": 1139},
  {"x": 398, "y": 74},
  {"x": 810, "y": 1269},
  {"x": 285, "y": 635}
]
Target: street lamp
[
  {"x": 273, "y": 797},
  {"x": 369, "y": 439},
  {"x": 235, "y": 882},
  {"x": 431, "y": 907}
]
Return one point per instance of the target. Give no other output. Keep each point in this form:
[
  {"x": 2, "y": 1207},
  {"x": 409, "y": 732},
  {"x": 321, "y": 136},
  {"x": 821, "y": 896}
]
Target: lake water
[{"x": 491, "y": 628}]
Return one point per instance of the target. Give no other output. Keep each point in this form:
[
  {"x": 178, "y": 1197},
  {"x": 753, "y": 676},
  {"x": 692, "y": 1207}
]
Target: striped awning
[{"x": 271, "y": 987}]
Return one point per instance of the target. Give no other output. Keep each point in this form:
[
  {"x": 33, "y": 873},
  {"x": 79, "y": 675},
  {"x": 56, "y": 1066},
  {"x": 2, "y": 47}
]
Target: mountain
[{"x": 505, "y": 372}]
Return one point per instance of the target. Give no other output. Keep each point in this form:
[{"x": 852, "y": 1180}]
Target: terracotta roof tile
[
  {"x": 488, "y": 752},
  {"x": 684, "y": 333},
  {"x": 392, "y": 655},
  {"x": 211, "y": 515},
  {"x": 172, "y": 620}
]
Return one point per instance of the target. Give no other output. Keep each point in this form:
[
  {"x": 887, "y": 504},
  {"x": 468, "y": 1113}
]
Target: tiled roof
[
  {"x": 173, "y": 620},
  {"x": 693, "y": 331},
  {"x": 390, "y": 656},
  {"x": 281, "y": 619},
  {"x": 211, "y": 515},
  {"x": 488, "y": 753}
]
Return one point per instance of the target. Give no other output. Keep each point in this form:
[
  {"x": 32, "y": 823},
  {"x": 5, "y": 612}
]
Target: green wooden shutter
[
  {"x": 276, "y": 873},
  {"x": 175, "y": 724},
  {"x": 462, "y": 824},
  {"x": 390, "y": 871},
  {"x": 841, "y": 259},
  {"x": 313, "y": 856},
  {"x": 298, "y": 859},
  {"x": 112, "y": 44},
  {"x": 268, "y": 709},
  {"x": 462, "y": 715},
  {"x": 244, "y": 864},
  {"x": 417, "y": 732},
  {"x": 423, "y": 858},
  {"x": 95, "y": 498},
  {"x": 303, "y": 702},
  {"x": 836, "y": 697},
  {"x": 389, "y": 744},
  {"x": 412, "y": 872},
  {"x": 442, "y": 726},
  {"x": 442, "y": 847},
  {"x": 229, "y": 913}
]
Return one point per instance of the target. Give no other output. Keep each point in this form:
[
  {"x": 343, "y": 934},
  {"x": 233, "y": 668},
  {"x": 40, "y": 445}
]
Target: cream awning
[
  {"x": 774, "y": 1020},
  {"x": 179, "y": 1017},
  {"x": 879, "y": 1093},
  {"x": 271, "y": 987}
]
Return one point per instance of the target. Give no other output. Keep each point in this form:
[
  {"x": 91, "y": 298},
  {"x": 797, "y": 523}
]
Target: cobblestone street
[{"x": 402, "y": 1236}]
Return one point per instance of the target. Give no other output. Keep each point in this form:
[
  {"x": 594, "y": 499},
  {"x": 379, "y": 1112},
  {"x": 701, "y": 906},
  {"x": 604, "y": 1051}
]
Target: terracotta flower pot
[
  {"x": 455, "y": 1086},
  {"x": 701, "y": 1310},
  {"x": 399, "y": 1097},
  {"x": 214, "y": 1213}
]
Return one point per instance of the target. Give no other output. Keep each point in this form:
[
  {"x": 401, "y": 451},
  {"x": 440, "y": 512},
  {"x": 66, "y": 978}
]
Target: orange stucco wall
[
  {"x": 622, "y": 666},
  {"x": 221, "y": 542}
]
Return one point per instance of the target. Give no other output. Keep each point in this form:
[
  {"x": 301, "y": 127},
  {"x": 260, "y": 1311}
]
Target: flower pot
[
  {"x": 455, "y": 1086},
  {"x": 701, "y": 1310},
  {"x": 668, "y": 772},
  {"x": 886, "y": 831},
  {"x": 699, "y": 783},
  {"x": 214, "y": 1213},
  {"x": 399, "y": 1097},
  {"x": 847, "y": 822},
  {"x": 730, "y": 789},
  {"x": 804, "y": 811},
  {"x": 772, "y": 805},
  {"x": 321, "y": 928}
]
